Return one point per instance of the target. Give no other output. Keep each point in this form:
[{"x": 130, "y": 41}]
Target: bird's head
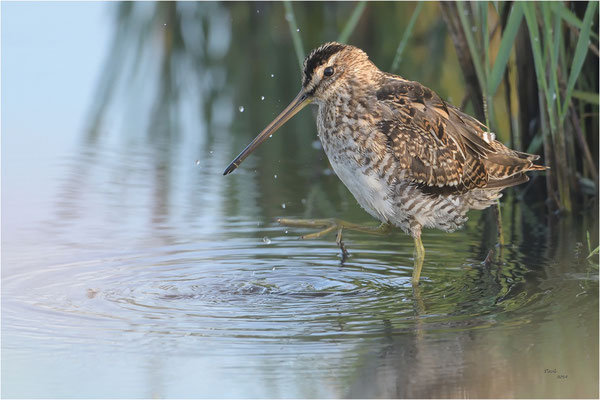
[
  {"x": 329, "y": 70},
  {"x": 333, "y": 68}
]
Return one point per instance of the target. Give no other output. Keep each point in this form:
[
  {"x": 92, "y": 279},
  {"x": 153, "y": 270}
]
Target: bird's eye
[{"x": 328, "y": 71}]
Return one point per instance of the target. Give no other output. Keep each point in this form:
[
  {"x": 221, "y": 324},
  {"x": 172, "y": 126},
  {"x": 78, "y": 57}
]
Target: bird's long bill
[{"x": 296, "y": 105}]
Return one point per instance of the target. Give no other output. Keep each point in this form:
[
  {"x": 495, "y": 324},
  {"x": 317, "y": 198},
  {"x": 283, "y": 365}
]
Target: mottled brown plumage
[
  {"x": 443, "y": 147},
  {"x": 409, "y": 158}
]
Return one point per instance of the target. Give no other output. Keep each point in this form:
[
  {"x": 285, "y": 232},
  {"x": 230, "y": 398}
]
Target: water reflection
[
  {"x": 149, "y": 277},
  {"x": 230, "y": 299}
]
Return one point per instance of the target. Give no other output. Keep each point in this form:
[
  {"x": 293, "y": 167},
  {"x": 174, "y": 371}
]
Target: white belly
[
  {"x": 369, "y": 189},
  {"x": 371, "y": 192}
]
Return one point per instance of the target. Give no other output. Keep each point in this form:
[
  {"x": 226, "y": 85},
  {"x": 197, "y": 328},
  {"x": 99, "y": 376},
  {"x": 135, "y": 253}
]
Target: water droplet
[
  {"x": 197, "y": 162},
  {"x": 266, "y": 240},
  {"x": 262, "y": 97},
  {"x": 272, "y": 75},
  {"x": 241, "y": 108},
  {"x": 275, "y": 176},
  {"x": 270, "y": 136},
  {"x": 286, "y": 232},
  {"x": 297, "y": 29},
  {"x": 211, "y": 152},
  {"x": 303, "y": 201},
  {"x": 553, "y": 96},
  {"x": 258, "y": 11},
  {"x": 474, "y": 29},
  {"x": 273, "y": 268},
  {"x": 283, "y": 206}
]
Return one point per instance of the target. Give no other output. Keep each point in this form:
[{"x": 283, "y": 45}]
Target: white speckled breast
[{"x": 366, "y": 185}]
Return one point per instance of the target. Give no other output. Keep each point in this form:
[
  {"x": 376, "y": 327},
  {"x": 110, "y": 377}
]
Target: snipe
[{"x": 409, "y": 158}]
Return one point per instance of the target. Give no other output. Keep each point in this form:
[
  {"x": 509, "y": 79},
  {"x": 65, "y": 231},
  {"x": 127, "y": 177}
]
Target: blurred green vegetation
[
  {"x": 528, "y": 70},
  {"x": 500, "y": 42}
]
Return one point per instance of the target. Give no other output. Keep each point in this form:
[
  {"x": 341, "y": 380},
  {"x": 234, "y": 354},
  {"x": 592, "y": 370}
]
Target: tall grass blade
[
  {"x": 294, "y": 32},
  {"x": 580, "y": 53},
  {"x": 554, "y": 53},
  {"x": 559, "y": 8},
  {"x": 471, "y": 44},
  {"x": 405, "y": 37},
  {"x": 508, "y": 38},
  {"x": 352, "y": 22},
  {"x": 488, "y": 105},
  {"x": 590, "y": 97},
  {"x": 540, "y": 71}
]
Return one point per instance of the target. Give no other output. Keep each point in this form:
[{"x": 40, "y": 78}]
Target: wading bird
[{"x": 409, "y": 158}]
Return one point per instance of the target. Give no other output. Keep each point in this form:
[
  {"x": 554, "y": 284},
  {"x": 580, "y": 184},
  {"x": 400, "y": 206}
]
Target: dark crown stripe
[{"x": 318, "y": 57}]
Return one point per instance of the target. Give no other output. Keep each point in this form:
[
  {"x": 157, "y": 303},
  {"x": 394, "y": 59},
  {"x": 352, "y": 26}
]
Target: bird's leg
[
  {"x": 338, "y": 240},
  {"x": 331, "y": 224},
  {"x": 419, "y": 257}
]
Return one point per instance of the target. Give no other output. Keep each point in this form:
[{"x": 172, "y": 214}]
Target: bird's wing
[{"x": 438, "y": 146}]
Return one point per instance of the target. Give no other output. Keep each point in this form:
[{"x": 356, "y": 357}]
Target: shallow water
[{"x": 132, "y": 268}]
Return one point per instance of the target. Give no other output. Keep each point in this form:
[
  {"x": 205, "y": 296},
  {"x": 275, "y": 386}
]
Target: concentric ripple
[{"x": 248, "y": 288}]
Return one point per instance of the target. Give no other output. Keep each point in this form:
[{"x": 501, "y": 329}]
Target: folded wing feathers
[{"x": 437, "y": 145}]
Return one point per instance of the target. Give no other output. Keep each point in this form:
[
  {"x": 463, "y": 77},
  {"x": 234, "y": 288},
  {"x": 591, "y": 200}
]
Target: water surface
[{"x": 132, "y": 268}]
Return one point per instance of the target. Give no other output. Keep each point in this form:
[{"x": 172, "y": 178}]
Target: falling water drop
[
  {"x": 241, "y": 108},
  {"x": 266, "y": 240}
]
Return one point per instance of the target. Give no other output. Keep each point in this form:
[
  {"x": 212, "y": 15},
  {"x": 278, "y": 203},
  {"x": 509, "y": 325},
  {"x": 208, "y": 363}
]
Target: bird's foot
[{"x": 333, "y": 224}]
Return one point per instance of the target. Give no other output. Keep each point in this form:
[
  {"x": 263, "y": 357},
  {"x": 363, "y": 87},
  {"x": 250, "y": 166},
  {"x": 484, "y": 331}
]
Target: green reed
[{"x": 560, "y": 43}]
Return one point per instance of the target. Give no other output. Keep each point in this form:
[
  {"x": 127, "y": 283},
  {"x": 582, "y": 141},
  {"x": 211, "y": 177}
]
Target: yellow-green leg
[
  {"x": 331, "y": 224},
  {"x": 419, "y": 258},
  {"x": 334, "y": 224}
]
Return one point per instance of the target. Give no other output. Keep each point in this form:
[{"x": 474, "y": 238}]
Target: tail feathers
[
  {"x": 507, "y": 182},
  {"x": 500, "y": 166},
  {"x": 535, "y": 167},
  {"x": 527, "y": 156}
]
